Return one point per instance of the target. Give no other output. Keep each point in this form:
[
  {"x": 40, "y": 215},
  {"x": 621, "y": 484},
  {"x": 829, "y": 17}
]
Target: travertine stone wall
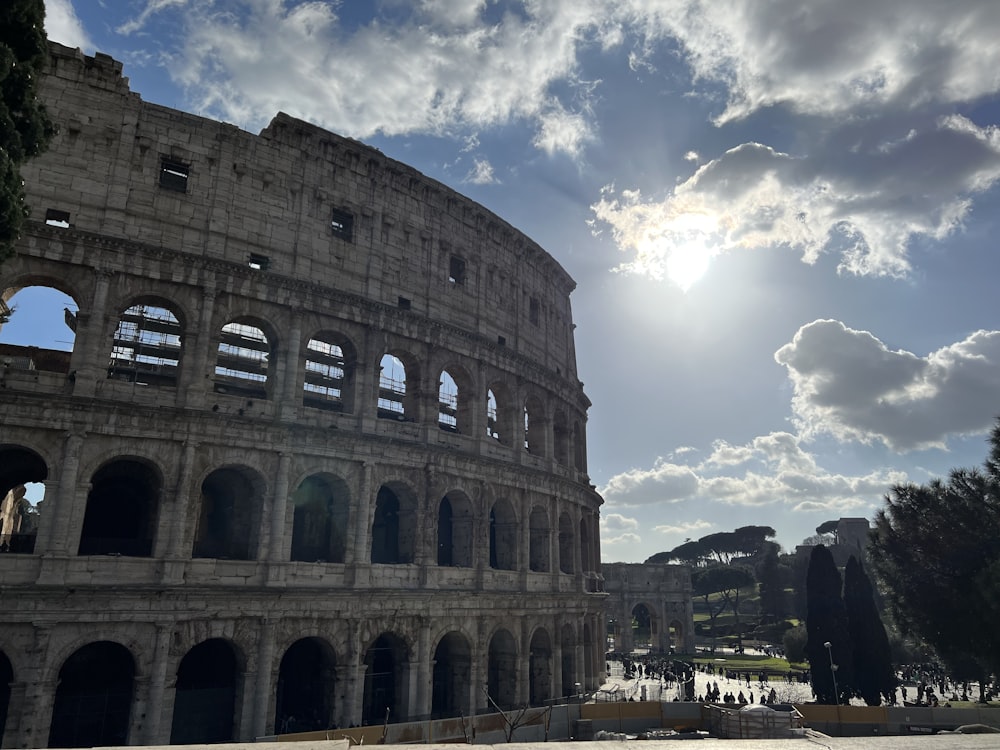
[
  {"x": 301, "y": 235},
  {"x": 665, "y": 591}
]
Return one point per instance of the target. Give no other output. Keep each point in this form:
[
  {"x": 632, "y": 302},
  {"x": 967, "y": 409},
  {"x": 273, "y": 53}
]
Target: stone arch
[
  {"x": 330, "y": 363},
  {"x": 394, "y": 525},
  {"x": 538, "y": 540},
  {"x": 35, "y": 297},
  {"x": 148, "y": 343},
  {"x": 579, "y": 447},
  {"x": 242, "y": 364},
  {"x": 307, "y": 684},
  {"x": 676, "y": 633},
  {"x": 644, "y": 626},
  {"x": 455, "y": 530},
  {"x": 455, "y": 390},
  {"x": 93, "y": 700},
  {"x": 122, "y": 509},
  {"x": 499, "y": 413},
  {"x": 568, "y": 667},
  {"x": 501, "y": 669},
  {"x": 566, "y": 544},
  {"x": 19, "y": 519},
  {"x": 321, "y": 515},
  {"x": 503, "y": 535},
  {"x": 387, "y": 669},
  {"x": 452, "y": 677},
  {"x": 534, "y": 426},
  {"x": 398, "y": 386},
  {"x": 229, "y": 518},
  {"x": 540, "y": 668},
  {"x": 207, "y": 686}
]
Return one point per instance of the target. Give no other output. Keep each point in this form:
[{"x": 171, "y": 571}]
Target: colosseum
[{"x": 316, "y": 457}]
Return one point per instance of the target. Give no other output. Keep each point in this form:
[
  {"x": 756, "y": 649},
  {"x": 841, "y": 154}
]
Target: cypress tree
[
  {"x": 873, "y": 672},
  {"x": 826, "y": 622}
]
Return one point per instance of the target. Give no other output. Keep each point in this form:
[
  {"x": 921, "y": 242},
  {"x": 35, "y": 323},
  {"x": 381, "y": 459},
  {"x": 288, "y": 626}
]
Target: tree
[
  {"x": 771, "y": 585},
  {"x": 874, "y": 676},
  {"x": 828, "y": 528},
  {"x": 690, "y": 552},
  {"x": 826, "y": 623},
  {"x": 25, "y": 128},
  {"x": 936, "y": 547},
  {"x": 722, "y": 580}
]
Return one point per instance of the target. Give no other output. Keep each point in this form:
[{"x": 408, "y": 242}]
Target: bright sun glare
[{"x": 687, "y": 263}]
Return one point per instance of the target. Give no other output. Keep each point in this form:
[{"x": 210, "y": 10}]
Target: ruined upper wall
[{"x": 295, "y": 201}]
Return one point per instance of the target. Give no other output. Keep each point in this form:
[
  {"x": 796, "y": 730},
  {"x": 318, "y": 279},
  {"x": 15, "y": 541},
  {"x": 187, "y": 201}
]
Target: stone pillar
[
  {"x": 49, "y": 510},
  {"x": 90, "y": 343},
  {"x": 197, "y": 375},
  {"x": 173, "y": 525},
  {"x": 277, "y": 543},
  {"x": 557, "y": 656},
  {"x": 262, "y": 711},
  {"x": 349, "y": 714},
  {"x": 289, "y": 397},
  {"x": 422, "y": 687},
  {"x": 524, "y": 671},
  {"x": 53, "y": 536},
  {"x": 152, "y": 733},
  {"x": 358, "y": 553},
  {"x": 580, "y": 665},
  {"x": 31, "y": 726}
]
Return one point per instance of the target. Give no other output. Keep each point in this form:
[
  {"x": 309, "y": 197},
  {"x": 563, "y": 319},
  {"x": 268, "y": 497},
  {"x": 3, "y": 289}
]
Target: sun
[{"x": 687, "y": 263}]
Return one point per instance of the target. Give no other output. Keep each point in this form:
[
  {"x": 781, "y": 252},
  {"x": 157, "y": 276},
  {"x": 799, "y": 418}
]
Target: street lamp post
[{"x": 833, "y": 671}]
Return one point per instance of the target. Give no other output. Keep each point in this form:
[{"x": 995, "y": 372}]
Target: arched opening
[
  {"x": 205, "y": 697},
  {"x": 540, "y": 668},
  {"x": 503, "y": 536},
  {"x": 455, "y": 531},
  {"x": 307, "y": 682},
  {"x": 501, "y": 672},
  {"x": 643, "y": 627},
  {"x": 93, "y": 699},
  {"x": 394, "y": 526},
  {"x": 241, "y": 367},
  {"x": 329, "y": 373},
  {"x": 560, "y": 437},
  {"x": 534, "y": 427},
  {"x": 386, "y": 673},
  {"x": 452, "y": 677},
  {"x": 6, "y": 678},
  {"x": 448, "y": 403},
  {"x": 22, "y": 472},
  {"x": 147, "y": 346},
  {"x": 538, "y": 540},
  {"x": 40, "y": 329},
  {"x": 499, "y": 414},
  {"x": 319, "y": 530},
  {"x": 568, "y": 666},
  {"x": 396, "y": 397},
  {"x": 565, "y": 544},
  {"x": 228, "y": 526},
  {"x": 121, "y": 510}
]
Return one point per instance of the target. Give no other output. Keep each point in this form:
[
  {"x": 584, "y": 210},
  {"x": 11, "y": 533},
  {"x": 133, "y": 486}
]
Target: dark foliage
[
  {"x": 826, "y": 622},
  {"x": 874, "y": 676}
]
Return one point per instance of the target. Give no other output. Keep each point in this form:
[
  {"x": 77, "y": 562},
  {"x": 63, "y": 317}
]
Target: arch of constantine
[{"x": 316, "y": 456}]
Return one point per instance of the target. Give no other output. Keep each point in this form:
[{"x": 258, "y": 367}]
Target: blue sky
[{"x": 781, "y": 215}]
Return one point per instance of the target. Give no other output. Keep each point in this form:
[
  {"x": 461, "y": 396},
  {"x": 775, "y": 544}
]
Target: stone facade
[
  {"x": 317, "y": 457},
  {"x": 649, "y": 607}
]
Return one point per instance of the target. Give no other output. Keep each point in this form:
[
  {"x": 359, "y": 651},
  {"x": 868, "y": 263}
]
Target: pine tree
[
  {"x": 826, "y": 623},
  {"x": 874, "y": 676},
  {"x": 25, "y": 128}
]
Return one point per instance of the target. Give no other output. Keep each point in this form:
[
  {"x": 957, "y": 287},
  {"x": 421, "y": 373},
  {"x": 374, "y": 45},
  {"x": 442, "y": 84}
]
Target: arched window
[
  {"x": 205, "y": 696},
  {"x": 319, "y": 531},
  {"x": 147, "y": 346},
  {"x": 121, "y": 510},
  {"x": 534, "y": 427},
  {"x": 228, "y": 526},
  {"x": 328, "y": 373},
  {"x": 392, "y": 388},
  {"x": 448, "y": 403},
  {"x": 307, "y": 681},
  {"x": 242, "y": 364},
  {"x": 538, "y": 540},
  {"x": 452, "y": 677},
  {"x": 94, "y": 697}
]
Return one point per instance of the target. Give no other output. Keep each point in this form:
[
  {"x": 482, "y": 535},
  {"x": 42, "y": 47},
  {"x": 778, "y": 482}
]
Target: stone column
[
  {"x": 32, "y": 725},
  {"x": 358, "y": 553},
  {"x": 422, "y": 687},
  {"x": 197, "y": 376},
  {"x": 262, "y": 710},
  {"x": 524, "y": 676},
  {"x": 276, "y": 548},
  {"x": 289, "y": 397},
  {"x": 171, "y": 536},
  {"x": 152, "y": 734},
  {"x": 90, "y": 342},
  {"x": 58, "y": 517},
  {"x": 557, "y": 656}
]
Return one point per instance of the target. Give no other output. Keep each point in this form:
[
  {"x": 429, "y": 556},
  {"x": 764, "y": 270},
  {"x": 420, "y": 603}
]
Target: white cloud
[
  {"x": 151, "y": 8},
  {"x": 665, "y": 482},
  {"x": 616, "y": 522},
  {"x": 481, "y": 173},
  {"x": 849, "y": 384},
  {"x": 62, "y": 25},
  {"x": 684, "y": 529}
]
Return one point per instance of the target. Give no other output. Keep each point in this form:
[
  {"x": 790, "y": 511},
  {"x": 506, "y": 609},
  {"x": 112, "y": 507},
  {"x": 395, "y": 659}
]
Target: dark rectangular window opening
[
  {"x": 502, "y": 340},
  {"x": 174, "y": 175},
  {"x": 533, "y": 310},
  {"x": 456, "y": 270},
  {"x": 404, "y": 303},
  {"x": 56, "y": 218},
  {"x": 258, "y": 262},
  {"x": 342, "y": 224}
]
